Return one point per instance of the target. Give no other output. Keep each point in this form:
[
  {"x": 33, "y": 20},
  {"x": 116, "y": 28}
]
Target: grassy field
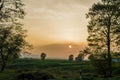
[{"x": 60, "y": 69}]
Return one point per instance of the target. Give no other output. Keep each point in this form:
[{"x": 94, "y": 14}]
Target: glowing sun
[{"x": 70, "y": 46}]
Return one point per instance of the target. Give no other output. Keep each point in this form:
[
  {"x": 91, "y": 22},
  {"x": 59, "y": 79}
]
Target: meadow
[{"x": 60, "y": 69}]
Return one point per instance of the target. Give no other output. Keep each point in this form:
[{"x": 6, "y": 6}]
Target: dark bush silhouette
[
  {"x": 43, "y": 56},
  {"x": 35, "y": 75},
  {"x": 99, "y": 62},
  {"x": 80, "y": 57},
  {"x": 71, "y": 57}
]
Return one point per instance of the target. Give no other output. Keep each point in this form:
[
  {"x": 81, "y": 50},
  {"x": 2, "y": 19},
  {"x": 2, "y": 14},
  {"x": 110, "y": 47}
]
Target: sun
[{"x": 70, "y": 46}]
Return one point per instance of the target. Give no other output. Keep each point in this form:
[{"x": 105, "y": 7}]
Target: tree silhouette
[
  {"x": 104, "y": 28},
  {"x": 12, "y": 34},
  {"x": 43, "y": 56},
  {"x": 80, "y": 56},
  {"x": 71, "y": 57}
]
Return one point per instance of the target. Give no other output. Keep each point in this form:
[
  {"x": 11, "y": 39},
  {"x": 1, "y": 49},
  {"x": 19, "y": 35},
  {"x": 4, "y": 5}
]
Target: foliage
[
  {"x": 80, "y": 56},
  {"x": 11, "y": 11},
  {"x": 34, "y": 75},
  {"x": 11, "y": 42},
  {"x": 12, "y": 34},
  {"x": 71, "y": 57},
  {"x": 116, "y": 55},
  {"x": 104, "y": 28},
  {"x": 99, "y": 62},
  {"x": 103, "y": 16}
]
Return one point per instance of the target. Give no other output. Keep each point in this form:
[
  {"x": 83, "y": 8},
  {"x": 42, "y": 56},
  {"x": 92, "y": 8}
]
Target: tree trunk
[
  {"x": 109, "y": 50},
  {"x": 2, "y": 67}
]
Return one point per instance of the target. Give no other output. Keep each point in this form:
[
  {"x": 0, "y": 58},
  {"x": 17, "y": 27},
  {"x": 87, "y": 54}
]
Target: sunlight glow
[{"x": 70, "y": 46}]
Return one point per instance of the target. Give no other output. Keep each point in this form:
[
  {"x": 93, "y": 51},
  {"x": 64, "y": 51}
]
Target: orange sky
[{"x": 51, "y": 22}]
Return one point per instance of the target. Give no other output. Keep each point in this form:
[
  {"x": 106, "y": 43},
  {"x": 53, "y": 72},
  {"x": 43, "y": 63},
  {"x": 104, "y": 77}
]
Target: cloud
[{"x": 55, "y": 7}]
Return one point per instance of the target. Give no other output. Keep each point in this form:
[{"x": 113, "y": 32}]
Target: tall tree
[
  {"x": 12, "y": 34},
  {"x": 104, "y": 28}
]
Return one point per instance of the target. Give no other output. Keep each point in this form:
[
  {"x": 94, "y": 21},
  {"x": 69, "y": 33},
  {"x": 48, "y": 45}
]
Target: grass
[{"x": 61, "y": 69}]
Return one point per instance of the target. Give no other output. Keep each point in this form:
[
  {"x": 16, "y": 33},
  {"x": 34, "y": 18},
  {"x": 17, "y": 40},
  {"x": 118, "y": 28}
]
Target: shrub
[
  {"x": 71, "y": 57},
  {"x": 34, "y": 75},
  {"x": 43, "y": 56},
  {"x": 100, "y": 63}
]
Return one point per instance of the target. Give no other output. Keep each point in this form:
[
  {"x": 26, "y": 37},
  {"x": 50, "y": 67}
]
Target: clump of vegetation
[
  {"x": 12, "y": 33},
  {"x": 71, "y": 57},
  {"x": 43, "y": 56},
  {"x": 34, "y": 75},
  {"x": 80, "y": 57},
  {"x": 100, "y": 64}
]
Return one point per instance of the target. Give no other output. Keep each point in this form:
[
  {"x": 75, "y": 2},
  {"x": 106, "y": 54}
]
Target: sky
[{"x": 54, "y": 25}]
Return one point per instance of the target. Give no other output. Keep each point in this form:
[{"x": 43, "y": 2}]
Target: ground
[{"x": 60, "y": 69}]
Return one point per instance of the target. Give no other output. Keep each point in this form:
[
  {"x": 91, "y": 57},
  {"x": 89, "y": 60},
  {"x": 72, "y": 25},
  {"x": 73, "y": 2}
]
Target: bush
[
  {"x": 88, "y": 76},
  {"x": 100, "y": 63},
  {"x": 80, "y": 57},
  {"x": 43, "y": 56},
  {"x": 116, "y": 72},
  {"x": 34, "y": 75},
  {"x": 71, "y": 57}
]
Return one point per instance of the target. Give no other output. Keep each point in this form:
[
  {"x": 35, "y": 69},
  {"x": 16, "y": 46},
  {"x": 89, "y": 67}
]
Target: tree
[
  {"x": 80, "y": 56},
  {"x": 104, "y": 28},
  {"x": 12, "y": 34},
  {"x": 71, "y": 57},
  {"x": 43, "y": 56}
]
